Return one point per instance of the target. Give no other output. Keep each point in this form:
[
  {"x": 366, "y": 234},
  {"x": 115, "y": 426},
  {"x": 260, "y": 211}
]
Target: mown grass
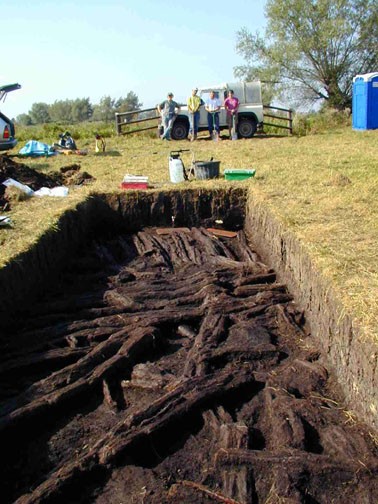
[{"x": 323, "y": 187}]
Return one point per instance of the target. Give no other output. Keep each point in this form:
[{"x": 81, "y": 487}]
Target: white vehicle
[
  {"x": 7, "y": 131},
  {"x": 250, "y": 114}
]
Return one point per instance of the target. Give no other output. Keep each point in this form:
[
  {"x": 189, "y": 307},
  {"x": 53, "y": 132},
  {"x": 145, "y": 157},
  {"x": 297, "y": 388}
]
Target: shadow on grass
[
  {"x": 258, "y": 136},
  {"x": 39, "y": 166},
  {"x": 113, "y": 153},
  {"x": 262, "y": 136}
]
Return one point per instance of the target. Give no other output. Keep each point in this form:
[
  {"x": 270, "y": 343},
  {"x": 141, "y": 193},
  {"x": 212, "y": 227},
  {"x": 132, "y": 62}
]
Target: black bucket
[{"x": 206, "y": 169}]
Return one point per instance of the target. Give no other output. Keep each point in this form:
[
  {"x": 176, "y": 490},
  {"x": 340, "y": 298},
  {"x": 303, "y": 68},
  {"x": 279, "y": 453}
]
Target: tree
[
  {"x": 24, "y": 120},
  {"x": 128, "y": 104},
  {"x": 81, "y": 110},
  {"x": 39, "y": 113},
  {"x": 108, "y": 106},
  {"x": 105, "y": 110},
  {"x": 61, "y": 111},
  {"x": 312, "y": 48}
]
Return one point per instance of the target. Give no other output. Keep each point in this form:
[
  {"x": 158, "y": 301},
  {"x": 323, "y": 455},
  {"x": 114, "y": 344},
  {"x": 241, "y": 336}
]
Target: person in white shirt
[{"x": 213, "y": 106}]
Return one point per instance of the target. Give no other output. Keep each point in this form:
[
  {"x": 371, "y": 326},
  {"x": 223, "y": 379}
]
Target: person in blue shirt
[{"x": 168, "y": 110}]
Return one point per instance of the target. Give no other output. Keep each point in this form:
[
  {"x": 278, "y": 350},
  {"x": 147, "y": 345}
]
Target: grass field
[{"x": 324, "y": 187}]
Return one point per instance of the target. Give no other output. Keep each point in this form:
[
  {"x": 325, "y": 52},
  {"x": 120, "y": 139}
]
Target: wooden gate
[
  {"x": 283, "y": 115},
  {"x": 123, "y": 121}
]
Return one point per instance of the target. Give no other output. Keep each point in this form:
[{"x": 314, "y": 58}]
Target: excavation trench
[{"x": 161, "y": 361}]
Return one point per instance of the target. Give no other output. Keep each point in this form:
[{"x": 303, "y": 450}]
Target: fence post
[
  {"x": 117, "y": 125},
  {"x": 290, "y": 117}
]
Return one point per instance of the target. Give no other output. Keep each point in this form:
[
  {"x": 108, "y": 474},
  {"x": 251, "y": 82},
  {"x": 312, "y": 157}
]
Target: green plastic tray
[{"x": 238, "y": 174}]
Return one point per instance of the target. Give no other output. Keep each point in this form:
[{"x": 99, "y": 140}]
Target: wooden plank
[
  {"x": 164, "y": 231},
  {"x": 222, "y": 232},
  {"x": 137, "y": 130},
  {"x": 142, "y": 120},
  {"x": 276, "y": 125},
  {"x": 277, "y": 108},
  {"x": 121, "y": 114},
  {"x": 283, "y": 118}
]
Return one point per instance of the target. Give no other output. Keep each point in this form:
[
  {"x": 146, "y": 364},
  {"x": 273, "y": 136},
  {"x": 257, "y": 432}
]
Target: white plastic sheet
[
  {"x": 5, "y": 221},
  {"x": 60, "y": 191},
  {"x": 24, "y": 188}
]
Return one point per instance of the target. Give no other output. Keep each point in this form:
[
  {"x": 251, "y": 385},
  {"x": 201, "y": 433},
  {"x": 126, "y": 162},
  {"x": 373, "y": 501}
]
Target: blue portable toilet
[{"x": 365, "y": 101}]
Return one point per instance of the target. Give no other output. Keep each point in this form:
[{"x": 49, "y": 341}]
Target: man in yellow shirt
[{"x": 194, "y": 104}]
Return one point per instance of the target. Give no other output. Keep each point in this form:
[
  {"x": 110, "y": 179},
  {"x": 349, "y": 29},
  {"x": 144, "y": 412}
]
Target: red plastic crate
[{"x": 134, "y": 185}]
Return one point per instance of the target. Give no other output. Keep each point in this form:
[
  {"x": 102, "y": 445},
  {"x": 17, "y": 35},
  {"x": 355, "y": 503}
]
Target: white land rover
[{"x": 250, "y": 114}]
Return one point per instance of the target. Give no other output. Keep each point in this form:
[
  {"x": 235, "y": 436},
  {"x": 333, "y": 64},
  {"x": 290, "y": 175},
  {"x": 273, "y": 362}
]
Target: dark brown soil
[
  {"x": 174, "y": 368},
  {"x": 69, "y": 175}
]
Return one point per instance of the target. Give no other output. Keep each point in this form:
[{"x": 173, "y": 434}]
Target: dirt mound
[
  {"x": 23, "y": 174},
  {"x": 74, "y": 177},
  {"x": 174, "y": 368},
  {"x": 68, "y": 175}
]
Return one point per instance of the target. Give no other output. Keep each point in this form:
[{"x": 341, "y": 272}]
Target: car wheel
[
  {"x": 246, "y": 127},
  {"x": 180, "y": 130}
]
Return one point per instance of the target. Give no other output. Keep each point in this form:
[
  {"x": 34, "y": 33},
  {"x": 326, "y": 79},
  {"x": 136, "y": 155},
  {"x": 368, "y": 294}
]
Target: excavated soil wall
[
  {"x": 353, "y": 358},
  {"x": 32, "y": 272}
]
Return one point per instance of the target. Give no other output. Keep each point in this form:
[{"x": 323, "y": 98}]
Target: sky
[{"x": 60, "y": 50}]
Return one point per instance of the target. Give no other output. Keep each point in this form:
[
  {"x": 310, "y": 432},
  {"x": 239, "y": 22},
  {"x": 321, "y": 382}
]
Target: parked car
[
  {"x": 250, "y": 115},
  {"x": 7, "y": 130}
]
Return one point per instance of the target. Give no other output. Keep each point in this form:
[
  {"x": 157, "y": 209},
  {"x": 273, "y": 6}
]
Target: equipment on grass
[
  {"x": 214, "y": 134},
  {"x": 193, "y": 127},
  {"x": 66, "y": 141},
  {"x": 234, "y": 135},
  {"x": 100, "y": 143},
  {"x": 177, "y": 171}
]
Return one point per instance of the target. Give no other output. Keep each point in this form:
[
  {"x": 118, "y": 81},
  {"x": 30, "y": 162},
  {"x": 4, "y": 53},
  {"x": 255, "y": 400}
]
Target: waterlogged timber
[{"x": 174, "y": 367}]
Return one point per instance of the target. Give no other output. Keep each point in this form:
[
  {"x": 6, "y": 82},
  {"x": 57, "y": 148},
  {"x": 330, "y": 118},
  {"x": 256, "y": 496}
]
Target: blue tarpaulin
[{"x": 35, "y": 148}]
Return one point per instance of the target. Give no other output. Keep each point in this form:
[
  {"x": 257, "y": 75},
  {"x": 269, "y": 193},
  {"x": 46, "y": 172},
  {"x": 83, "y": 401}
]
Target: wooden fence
[
  {"x": 123, "y": 120},
  {"x": 286, "y": 116}
]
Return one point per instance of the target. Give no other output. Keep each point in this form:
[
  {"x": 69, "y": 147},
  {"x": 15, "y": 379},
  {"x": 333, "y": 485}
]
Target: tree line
[{"x": 79, "y": 110}]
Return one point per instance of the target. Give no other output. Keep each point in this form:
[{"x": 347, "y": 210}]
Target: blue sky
[{"x": 61, "y": 50}]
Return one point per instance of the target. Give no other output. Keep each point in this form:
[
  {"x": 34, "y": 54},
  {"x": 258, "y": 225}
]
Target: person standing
[
  {"x": 194, "y": 103},
  {"x": 231, "y": 104},
  {"x": 213, "y": 106},
  {"x": 168, "y": 110}
]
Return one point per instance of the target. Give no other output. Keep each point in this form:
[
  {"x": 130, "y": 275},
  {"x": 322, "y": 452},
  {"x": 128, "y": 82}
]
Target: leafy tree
[
  {"x": 312, "y": 48},
  {"x": 81, "y": 110},
  {"x": 39, "y": 113},
  {"x": 61, "y": 111},
  {"x": 24, "y": 120},
  {"x": 105, "y": 110},
  {"x": 128, "y": 104}
]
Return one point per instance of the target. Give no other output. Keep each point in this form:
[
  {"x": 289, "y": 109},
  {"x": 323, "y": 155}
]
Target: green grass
[
  {"x": 323, "y": 187},
  {"x": 49, "y": 133}
]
